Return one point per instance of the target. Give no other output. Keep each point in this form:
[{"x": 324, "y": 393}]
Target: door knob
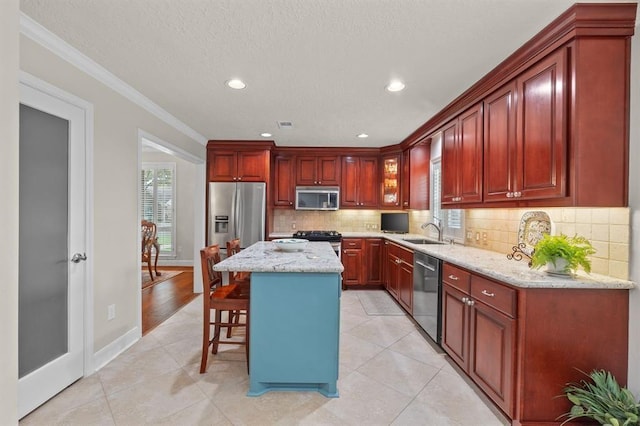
[{"x": 77, "y": 257}]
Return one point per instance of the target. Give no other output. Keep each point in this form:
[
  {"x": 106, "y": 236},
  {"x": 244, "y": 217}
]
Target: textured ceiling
[{"x": 321, "y": 64}]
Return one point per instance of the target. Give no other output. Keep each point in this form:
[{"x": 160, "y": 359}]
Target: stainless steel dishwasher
[{"x": 427, "y": 289}]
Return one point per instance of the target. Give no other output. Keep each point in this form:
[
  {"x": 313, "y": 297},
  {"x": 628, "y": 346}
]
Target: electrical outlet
[
  {"x": 374, "y": 226},
  {"x": 484, "y": 238},
  {"x": 293, "y": 225},
  {"x": 111, "y": 312},
  {"x": 469, "y": 235},
  {"x": 367, "y": 226}
]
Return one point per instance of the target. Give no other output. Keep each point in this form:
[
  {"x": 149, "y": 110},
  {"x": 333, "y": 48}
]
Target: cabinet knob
[
  {"x": 464, "y": 299},
  {"x": 486, "y": 293},
  {"x": 319, "y": 183},
  {"x": 517, "y": 194},
  {"x": 453, "y": 277},
  {"x": 509, "y": 194},
  {"x": 290, "y": 203},
  {"x": 470, "y": 302}
]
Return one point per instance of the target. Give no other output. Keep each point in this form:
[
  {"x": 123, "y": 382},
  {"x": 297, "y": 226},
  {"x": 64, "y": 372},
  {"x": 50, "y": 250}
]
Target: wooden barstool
[
  {"x": 218, "y": 297},
  {"x": 242, "y": 279}
]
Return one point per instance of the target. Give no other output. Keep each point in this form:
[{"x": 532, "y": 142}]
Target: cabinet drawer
[
  {"x": 401, "y": 253},
  {"x": 456, "y": 277},
  {"x": 351, "y": 243},
  {"x": 493, "y": 294}
]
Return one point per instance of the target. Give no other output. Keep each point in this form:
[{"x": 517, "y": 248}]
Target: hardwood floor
[{"x": 162, "y": 300}]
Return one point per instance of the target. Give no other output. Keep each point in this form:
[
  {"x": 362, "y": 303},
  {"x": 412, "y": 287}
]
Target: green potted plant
[
  {"x": 602, "y": 399},
  {"x": 562, "y": 254}
]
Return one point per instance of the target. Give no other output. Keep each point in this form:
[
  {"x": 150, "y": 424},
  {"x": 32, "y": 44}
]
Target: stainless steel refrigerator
[{"x": 236, "y": 210}]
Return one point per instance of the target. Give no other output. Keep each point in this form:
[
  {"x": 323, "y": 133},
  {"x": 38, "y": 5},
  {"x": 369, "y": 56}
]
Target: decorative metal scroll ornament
[{"x": 518, "y": 254}]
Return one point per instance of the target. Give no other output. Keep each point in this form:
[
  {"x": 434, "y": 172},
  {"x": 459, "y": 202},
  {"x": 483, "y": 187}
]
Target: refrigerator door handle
[{"x": 234, "y": 214}]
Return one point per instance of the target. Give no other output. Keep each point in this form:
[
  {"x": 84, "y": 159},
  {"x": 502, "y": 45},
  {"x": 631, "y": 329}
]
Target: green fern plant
[
  {"x": 602, "y": 399},
  {"x": 575, "y": 250}
]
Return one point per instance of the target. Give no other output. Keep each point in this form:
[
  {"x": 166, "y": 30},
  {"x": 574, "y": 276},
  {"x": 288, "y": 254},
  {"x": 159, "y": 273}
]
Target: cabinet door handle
[
  {"x": 470, "y": 302},
  {"x": 453, "y": 277},
  {"x": 517, "y": 194},
  {"x": 464, "y": 300},
  {"x": 486, "y": 293},
  {"x": 509, "y": 194}
]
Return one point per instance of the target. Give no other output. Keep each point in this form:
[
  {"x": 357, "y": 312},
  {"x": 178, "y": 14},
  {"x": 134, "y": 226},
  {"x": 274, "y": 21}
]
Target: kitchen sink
[{"x": 422, "y": 241}]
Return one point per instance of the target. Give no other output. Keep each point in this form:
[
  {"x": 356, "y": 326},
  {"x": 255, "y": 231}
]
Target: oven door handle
[{"x": 425, "y": 266}]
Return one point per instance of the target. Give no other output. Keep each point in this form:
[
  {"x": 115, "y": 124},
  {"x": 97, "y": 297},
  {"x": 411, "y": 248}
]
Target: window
[
  {"x": 451, "y": 221},
  {"x": 157, "y": 197}
]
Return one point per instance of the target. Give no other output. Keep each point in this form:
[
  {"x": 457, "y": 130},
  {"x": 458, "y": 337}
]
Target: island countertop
[{"x": 264, "y": 256}]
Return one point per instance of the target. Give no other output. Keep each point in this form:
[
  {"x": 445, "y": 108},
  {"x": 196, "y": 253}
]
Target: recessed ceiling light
[
  {"x": 395, "y": 86},
  {"x": 363, "y": 135},
  {"x": 265, "y": 135},
  {"x": 236, "y": 83}
]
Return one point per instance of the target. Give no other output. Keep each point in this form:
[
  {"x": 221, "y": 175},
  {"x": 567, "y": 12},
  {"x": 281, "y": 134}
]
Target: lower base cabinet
[
  {"x": 361, "y": 258},
  {"x": 521, "y": 346},
  {"x": 399, "y": 274}
]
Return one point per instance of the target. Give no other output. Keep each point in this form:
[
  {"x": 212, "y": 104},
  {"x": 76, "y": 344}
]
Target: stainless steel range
[{"x": 333, "y": 237}]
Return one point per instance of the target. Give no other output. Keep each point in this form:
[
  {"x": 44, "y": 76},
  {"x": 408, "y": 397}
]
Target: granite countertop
[
  {"x": 496, "y": 265},
  {"x": 264, "y": 256}
]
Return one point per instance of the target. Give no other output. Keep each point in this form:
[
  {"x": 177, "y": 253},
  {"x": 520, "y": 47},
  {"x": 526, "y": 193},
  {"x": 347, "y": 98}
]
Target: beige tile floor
[{"x": 389, "y": 375}]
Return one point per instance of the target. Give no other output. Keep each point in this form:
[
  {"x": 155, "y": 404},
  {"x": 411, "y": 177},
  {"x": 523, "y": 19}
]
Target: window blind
[{"x": 157, "y": 198}]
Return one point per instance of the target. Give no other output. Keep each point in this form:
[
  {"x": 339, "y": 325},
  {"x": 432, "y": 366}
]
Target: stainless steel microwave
[{"x": 317, "y": 198}]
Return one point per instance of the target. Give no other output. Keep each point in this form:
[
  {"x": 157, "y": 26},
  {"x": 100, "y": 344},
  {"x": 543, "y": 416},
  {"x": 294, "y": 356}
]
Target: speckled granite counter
[
  {"x": 497, "y": 266},
  {"x": 264, "y": 256}
]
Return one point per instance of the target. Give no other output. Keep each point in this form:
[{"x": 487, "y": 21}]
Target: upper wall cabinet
[
  {"x": 553, "y": 119},
  {"x": 416, "y": 195},
  {"x": 525, "y": 144},
  {"x": 359, "y": 182},
  {"x": 284, "y": 185},
  {"x": 462, "y": 158},
  {"x": 238, "y": 161},
  {"x": 391, "y": 181},
  {"x": 318, "y": 170}
]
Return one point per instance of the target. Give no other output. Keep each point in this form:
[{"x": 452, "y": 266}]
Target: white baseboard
[{"x": 115, "y": 348}]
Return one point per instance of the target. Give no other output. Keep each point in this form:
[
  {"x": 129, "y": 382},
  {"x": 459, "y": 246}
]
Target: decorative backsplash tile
[{"x": 606, "y": 228}]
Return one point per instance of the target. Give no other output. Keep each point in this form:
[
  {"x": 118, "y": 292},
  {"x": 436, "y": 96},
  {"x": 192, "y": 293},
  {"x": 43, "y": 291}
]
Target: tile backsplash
[
  {"x": 606, "y": 228},
  {"x": 495, "y": 229}
]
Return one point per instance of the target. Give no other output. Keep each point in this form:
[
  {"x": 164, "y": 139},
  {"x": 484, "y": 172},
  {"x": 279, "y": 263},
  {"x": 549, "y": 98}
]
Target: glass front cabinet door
[{"x": 391, "y": 181}]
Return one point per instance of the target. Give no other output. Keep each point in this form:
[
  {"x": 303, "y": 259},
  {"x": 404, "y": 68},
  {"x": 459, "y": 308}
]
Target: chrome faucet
[{"x": 427, "y": 224}]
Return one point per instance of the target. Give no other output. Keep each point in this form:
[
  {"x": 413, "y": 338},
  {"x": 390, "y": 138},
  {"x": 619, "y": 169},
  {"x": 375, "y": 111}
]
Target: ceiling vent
[{"x": 285, "y": 125}]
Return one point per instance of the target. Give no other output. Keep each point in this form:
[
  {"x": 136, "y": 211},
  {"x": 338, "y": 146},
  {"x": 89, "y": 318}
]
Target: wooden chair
[
  {"x": 239, "y": 278},
  {"x": 220, "y": 298},
  {"x": 233, "y": 247},
  {"x": 149, "y": 242}
]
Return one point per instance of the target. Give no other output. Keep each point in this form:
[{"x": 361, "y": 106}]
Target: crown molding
[{"x": 36, "y": 32}]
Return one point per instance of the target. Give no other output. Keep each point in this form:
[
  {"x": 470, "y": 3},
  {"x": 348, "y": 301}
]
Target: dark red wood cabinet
[
  {"x": 526, "y": 145},
  {"x": 359, "y": 182},
  {"x": 284, "y": 185},
  {"x": 462, "y": 152},
  {"x": 361, "y": 258},
  {"x": 419, "y": 167},
  {"x": 238, "y": 161},
  {"x": 391, "y": 181},
  {"x": 318, "y": 170},
  {"x": 399, "y": 274},
  {"x": 522, "y": 345}
]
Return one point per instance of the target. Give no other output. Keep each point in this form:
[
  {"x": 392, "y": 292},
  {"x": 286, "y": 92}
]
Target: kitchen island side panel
[{"x": 294, "y": 332}]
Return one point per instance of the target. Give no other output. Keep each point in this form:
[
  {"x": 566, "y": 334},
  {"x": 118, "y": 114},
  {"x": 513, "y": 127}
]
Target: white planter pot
[{"x": 559, "y": 268}]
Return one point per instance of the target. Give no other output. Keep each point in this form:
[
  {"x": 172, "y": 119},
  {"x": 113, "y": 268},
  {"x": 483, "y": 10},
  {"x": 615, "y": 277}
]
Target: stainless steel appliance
[
  {"x": 333, "y": 237},
  {"x": 317, "y": 198},
  {"x": 236, "y": 210},
  {"x": 427, "y": 290}
]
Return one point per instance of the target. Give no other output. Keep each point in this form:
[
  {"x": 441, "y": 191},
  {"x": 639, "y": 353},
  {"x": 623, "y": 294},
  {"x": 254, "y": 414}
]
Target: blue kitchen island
[{"x": 294, "y": 317}]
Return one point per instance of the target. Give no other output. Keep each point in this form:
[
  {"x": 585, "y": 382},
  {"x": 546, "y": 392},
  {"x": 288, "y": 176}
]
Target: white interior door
[{"x": 52, "y": 231}]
